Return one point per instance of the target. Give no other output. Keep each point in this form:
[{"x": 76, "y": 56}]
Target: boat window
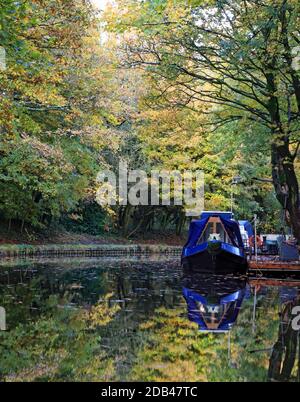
[
  {"x": 206, "y": 234},
  {"x": 214, "y": 231},
  {"x": 221, "y": 232}
]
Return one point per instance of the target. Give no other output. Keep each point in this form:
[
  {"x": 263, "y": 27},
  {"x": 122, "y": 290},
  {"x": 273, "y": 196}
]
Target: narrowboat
[{"x": 215, "y": 245}]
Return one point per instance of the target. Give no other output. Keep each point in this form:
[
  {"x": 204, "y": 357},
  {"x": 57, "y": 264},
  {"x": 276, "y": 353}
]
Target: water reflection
[
  {"x": 284, "y": 363},
  {"x": 139, "y": 320},
  {"x": 214, "y": 302}
]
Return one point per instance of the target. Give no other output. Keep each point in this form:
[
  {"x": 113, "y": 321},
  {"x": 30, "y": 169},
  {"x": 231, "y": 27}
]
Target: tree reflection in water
[
  {"x": 214, "y": 302},
  {"x": 284, "y": 360},
  {"x": 118, "y": 320}
]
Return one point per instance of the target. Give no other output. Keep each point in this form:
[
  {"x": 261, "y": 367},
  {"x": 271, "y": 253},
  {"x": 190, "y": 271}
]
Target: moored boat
[{"x": 215, "y": 245}]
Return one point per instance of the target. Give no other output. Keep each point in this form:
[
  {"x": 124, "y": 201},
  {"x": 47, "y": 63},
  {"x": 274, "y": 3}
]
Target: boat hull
[{"x": 221, "y": 262}]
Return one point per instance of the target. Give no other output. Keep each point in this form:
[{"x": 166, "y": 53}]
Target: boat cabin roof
[
  {"x": 209, "y": 214},
  {"x": 201, "y": 229}
]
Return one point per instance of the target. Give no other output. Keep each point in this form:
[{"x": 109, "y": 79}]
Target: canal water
[{"x": 144, "y": 320}]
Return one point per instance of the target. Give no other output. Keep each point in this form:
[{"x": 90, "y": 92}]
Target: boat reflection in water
[{"x": 214, "y": 301}]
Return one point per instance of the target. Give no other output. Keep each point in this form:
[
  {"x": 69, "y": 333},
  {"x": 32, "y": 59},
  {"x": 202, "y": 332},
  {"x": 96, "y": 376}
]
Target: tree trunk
[
  {"x": 286, "y": 185},
  {"x": 283, "y": 169},
  {"x": 126, "y": 219},
  {"x": 284, "y": 158}
]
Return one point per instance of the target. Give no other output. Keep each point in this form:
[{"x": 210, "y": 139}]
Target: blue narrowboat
[{"x": 215, "y": 245}]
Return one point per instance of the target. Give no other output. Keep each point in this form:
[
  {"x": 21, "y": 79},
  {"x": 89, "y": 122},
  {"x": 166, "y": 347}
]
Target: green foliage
[
  {"x": 90, "y": 219},
  {"x": 67, "y": 109}
]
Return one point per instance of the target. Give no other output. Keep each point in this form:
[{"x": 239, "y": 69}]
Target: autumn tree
[
  {"x": 235, "y": 56},
  {"x": 59, "y": 108}
]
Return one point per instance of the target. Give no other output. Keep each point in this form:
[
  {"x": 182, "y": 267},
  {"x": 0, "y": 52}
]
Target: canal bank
[{"x": 87, "y": 250}]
